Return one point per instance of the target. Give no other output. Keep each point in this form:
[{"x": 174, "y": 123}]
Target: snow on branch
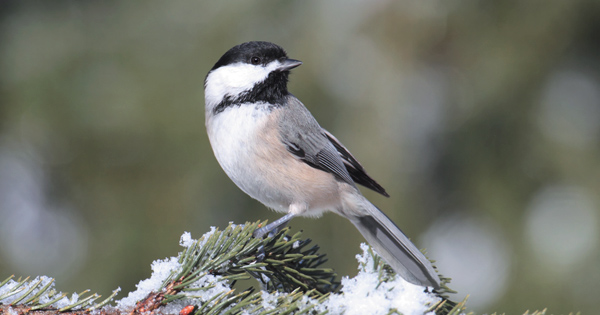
[{"x": 202, "y": 280}]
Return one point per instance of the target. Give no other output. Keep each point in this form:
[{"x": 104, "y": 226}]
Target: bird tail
[{"x": 395, "y": 248}]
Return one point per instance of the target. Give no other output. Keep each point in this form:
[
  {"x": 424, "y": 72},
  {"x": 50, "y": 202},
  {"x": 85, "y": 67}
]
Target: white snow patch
[
  {"x": 66, "y": 301},
  {"x": 44, "y": 298},
  {"x": 198, "y": 297},
  {"x": 161, "y": 269},
  {"x": 364, "y": 294},
  {"x": 186, "y": 240},
  {"x": 11, "y": 284},
  {"x": 269, "y": 300}
]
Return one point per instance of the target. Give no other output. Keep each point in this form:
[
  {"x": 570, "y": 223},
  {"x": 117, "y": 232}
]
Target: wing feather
[
  {"x": 319, "y": 148},
  {"x": 356, "y": 170}
]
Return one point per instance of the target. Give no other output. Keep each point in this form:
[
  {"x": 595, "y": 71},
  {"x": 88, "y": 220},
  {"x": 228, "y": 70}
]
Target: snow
[
  {"x": 12, "y": 284},
  {"x": 198, "y": 297},
  {"x": 49, "y": 295},
  {"x": 163, "y": 268},
  {"x": 269, "y": 301},
  {"x": 364, "y": 294},
  {"x": 186, "y": 240},
  {"x": 66, "y": 301},
  {"x": 44, "y": 298}
]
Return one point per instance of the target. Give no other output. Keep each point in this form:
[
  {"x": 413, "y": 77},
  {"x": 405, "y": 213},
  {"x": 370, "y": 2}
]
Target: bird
[{"x": 274, "y": 150}]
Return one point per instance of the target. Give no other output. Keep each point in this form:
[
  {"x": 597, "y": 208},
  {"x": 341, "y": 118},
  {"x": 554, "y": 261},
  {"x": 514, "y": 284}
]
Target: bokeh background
[{"x": 481, "y": 119}]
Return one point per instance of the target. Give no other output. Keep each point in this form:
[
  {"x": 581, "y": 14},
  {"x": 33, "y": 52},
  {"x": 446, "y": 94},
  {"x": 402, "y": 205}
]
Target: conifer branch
[
  {"x": 280, "y": 263},
  {"x": 203, "y": 277}
]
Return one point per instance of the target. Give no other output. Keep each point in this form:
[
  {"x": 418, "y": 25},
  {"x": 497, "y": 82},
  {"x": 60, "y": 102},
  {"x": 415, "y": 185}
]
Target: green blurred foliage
[{"x": 101, "y": 103}]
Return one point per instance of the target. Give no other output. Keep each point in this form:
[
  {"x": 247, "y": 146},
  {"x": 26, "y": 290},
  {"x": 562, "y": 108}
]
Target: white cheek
[{"x": 233, "y": 80}]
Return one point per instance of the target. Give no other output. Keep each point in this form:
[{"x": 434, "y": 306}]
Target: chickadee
[{"x": 274, "y": 150}]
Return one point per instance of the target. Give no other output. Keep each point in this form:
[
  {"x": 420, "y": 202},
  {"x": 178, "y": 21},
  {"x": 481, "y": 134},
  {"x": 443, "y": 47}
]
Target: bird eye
[{"x": 255, "y": 60}]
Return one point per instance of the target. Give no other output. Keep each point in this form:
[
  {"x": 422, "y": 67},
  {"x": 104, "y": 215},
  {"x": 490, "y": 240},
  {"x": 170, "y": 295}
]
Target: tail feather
[{"x": 396, "y": 249}]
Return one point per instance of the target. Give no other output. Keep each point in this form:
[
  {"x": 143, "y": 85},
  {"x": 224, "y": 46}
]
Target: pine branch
[
  {"x": 202, "y": 280},
  {"x": 281, "y": 263},
  {"x": 38, "y": 296}
]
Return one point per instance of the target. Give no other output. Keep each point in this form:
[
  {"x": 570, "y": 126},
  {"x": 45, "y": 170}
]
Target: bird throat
[{"x": 272, "y": 90}]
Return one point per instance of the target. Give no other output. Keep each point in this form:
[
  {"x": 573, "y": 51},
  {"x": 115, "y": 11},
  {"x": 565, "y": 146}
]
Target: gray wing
[
  {"x": 319, "y": 148},
  {"x": 304, "y": 138}
]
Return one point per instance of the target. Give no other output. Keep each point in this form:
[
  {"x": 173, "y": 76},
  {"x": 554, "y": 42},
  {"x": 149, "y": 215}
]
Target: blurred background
[{"x": 480, "y": 118}]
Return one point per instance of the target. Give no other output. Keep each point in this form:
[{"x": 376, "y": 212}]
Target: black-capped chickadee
[{"x": 273, "y": 149}]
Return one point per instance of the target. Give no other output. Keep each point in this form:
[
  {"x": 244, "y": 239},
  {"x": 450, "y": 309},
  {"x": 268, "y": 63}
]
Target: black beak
[{"x": 289, "y": 64}]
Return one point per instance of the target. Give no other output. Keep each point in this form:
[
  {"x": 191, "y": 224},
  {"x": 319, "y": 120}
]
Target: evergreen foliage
[{"x": 203, "y": 281}]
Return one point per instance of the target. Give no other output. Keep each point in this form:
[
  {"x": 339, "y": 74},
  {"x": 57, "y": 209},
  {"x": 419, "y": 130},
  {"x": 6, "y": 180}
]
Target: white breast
[
  {"x": 233, "y": 136},
  {"x": 246, "y": 143}
]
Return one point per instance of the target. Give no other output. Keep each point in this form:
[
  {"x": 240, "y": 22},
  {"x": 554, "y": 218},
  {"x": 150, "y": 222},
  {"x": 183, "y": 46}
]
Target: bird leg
[{"x": 273, "y": 227}]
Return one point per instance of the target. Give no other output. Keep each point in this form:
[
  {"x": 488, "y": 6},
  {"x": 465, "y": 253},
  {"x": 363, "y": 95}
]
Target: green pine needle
[{"x": 285, "y": 266}]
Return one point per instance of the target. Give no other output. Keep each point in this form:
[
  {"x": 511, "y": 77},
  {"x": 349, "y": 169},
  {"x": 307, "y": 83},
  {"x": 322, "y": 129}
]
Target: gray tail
[{"x": 396, "y": 249}]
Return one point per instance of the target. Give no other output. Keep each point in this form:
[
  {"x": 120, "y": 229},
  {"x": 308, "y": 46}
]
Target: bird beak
[{"x": 289, "y": 64}]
